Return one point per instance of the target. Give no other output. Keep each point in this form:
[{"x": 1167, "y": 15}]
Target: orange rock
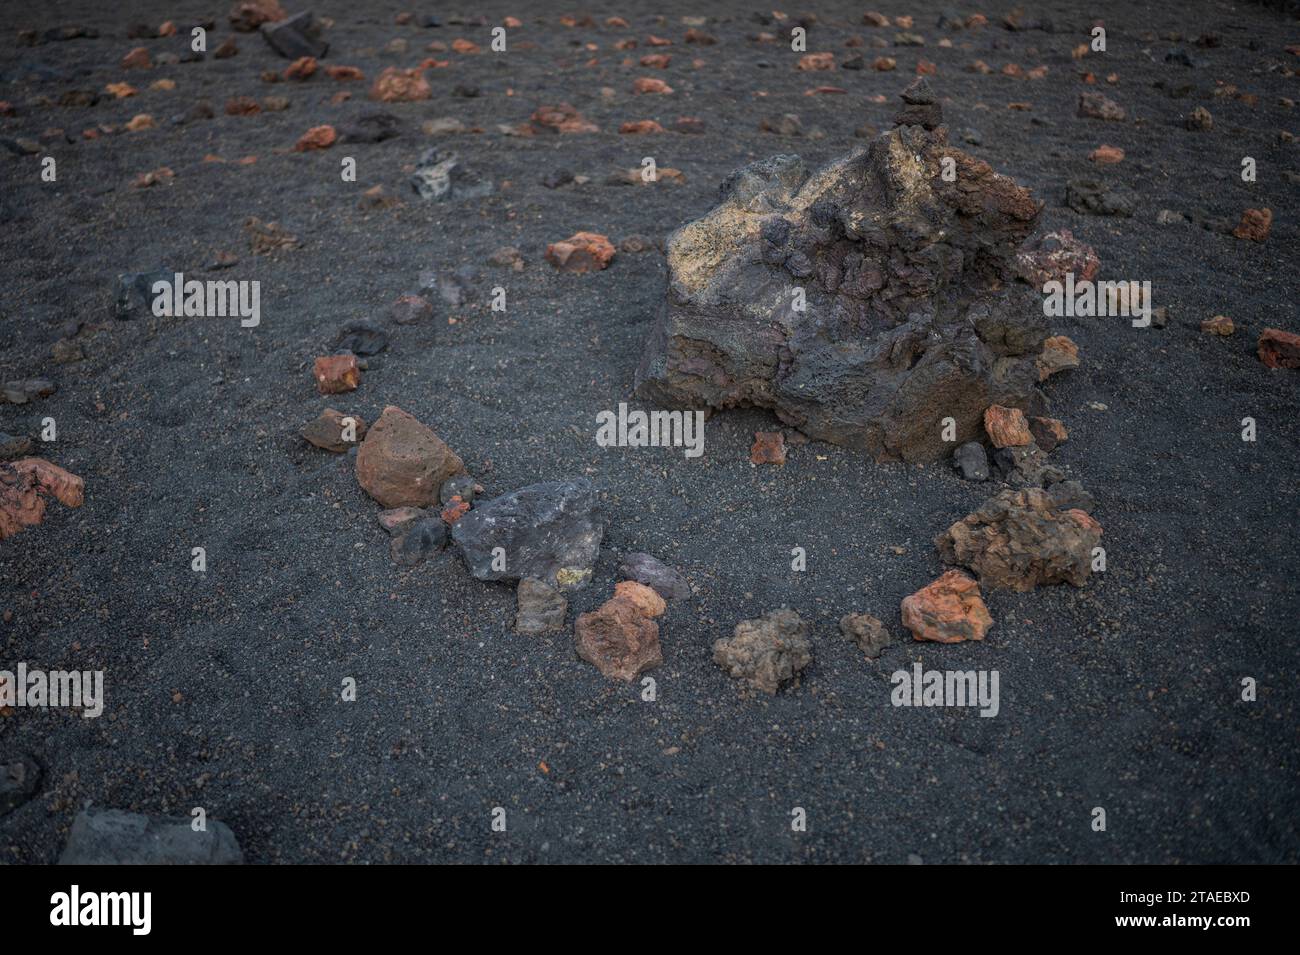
[
  {"x": 318, "y": 137},
  {"x": 120, "y": 90},
  {"x": 817, "y": 61},
  {"x": 657, "y": 61},
  {"x": 1107, "y": 155},
  {"x": 905, "y": 22},
  {"x": 647, "y": 600},
  {"x": 23, "y": 487},
  {"x": 884, "y": 64},
  {"x": 301, "y": 68},
  {"x": 168, "y": 28},
  {"x": 769, "y": 448},
  {"x": 625, "y": 45},
  {"x": 1013, "y": 70},
  {"x": 1037, "y": 73},
  {"x": 1007, "y": 427},
  {"x": 976, "y": 20},
  {"x": 618, "y": 639},
  {"x": 1059, "y": 354},
  {"x": 163, "y": 85},
  {"x": 926, "y": 68},
  {"x": 344, "y": 73},
  {"x": 456, "y": 509},
  {"x": 1218, "y": 325},
  {"x": 617, "y": 23},
  {"x": 139, "y": 122},
  {"x": 512, "y": 23},
  {"x": 641, "y": 126},
  {"x": 658, "y": 41},
  {"x": 461, "y": 45},
  {"x": 1279, "y": 349},
  {"x": 137, "y": 59},
  {"x": 581, "y": 252},
  {"x": 336, "y": 374},
  {"x": 396, "y": 85},
  {"x": 646, "y": 84},
  {"x": 561, "y": 119},
  {"x": 1255, "y": 225},
  {"x": 949, "y": 610}
]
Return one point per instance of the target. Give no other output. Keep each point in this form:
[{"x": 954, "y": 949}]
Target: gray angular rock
[
  {"x": 462, "y": 486},
  {"x": 134, "y": 291},
  {"x": 972, "y": 461},
  {"x": 911, "y": 313},
  {"x": 441, "y": 176},
  {"x": 298, "y": 36},
  {"x": 1089, "y": 197},
  {"x": 541, "y": 608},
  {"x": 654, "y": 573},
  {"x": 766, "y": 652},
  {"x": 419, "y": 541},
  {"x": 550, "y": 531},
  {"x": 114, "y": 837},
  {"x": 1025, "y": 466}
]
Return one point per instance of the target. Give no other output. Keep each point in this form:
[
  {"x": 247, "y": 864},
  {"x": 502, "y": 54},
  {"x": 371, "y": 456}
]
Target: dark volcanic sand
[{"x": 223, "y": 688}]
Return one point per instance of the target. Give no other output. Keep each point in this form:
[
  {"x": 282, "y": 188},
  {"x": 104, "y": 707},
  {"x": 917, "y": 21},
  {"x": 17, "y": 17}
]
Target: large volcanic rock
[{"x": 911, "y": 312}]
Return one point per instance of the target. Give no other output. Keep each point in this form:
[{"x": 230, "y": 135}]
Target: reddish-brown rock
[
  {"x": 318, "y": 137},
  {"x": 1055, "y": 255},
  {"x": 403, "y": 463},
  {"x": 641, "y": 126},
  {"x": 336, "y": 374},
  {"x": 948, "y": 610},
  {"x": 251, "y": 14},
  {"x": 301, "y": 68},
  {"x": 619, "y": 638},
  {"x": 1048, "y": 432},
  {"x": 817, "y": 61},
  {"x": 25, "y": 483},
  {"x": 1279, "y": 349},
  {"x": 1059, "y": 353},
  {"x": 137, "y": 59},
  {"x": 560, "y": 119},
  {"x": 344, "y": 73},
  {"x": 647, "y": 600},
  {"x": 1007, "y": 427},
  {"x": 648, "y": 84},
  {"x": 769, "y": 448},
  {"x": 395, "y": 85},
  {"x": 581, "y": 252},
  {"x": 1107, "y": 155},
  {"x": 1255, "y": 225}
]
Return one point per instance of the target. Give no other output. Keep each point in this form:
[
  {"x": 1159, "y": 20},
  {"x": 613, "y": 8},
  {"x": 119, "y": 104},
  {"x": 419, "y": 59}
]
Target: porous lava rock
[{"x": 863, "y": 303}]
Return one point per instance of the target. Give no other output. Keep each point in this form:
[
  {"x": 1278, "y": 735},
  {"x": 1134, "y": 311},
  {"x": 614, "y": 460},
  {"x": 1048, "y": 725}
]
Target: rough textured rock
[
  {"x": 768, "y": 448},
  {"x": 336, "y": 374},
  {"x": 248, "y": 16},
  {"x": 395, "y": 85},
  {"x": 1279, "y": 349},
  {"x": 1007, "y": 427},
  {"x": 328, "y": 431},
  {"x": 620, "y": 638},
  {"x": 441, "y": 176},
  {"x": 947, "y": 610},
  {"x": 648, "y": 570},
  {"x": 14, "y": 446},
  {"x": 114, "y": 837},
  {"x": 20, "y": 778},
  {"x": 1019, "y": 540},
  {"x": 403, "y": 463},
  {"x": 1048, "y": 432},
  {"x": 24, "y": 485},
  {"x": 766, "y": 652},
  {"x": 1055, "y": 255},
  {"x": 541, "y": 607},
  {"x": 581, "y": 252},
  {"x": 550, "y": 531},
  {"x": 868, "y": 632},
  {"x": 296, "y": 37},
  {"x": 1099, "y": 106},
  {"x": 418, "y": 541},
  {"x": 1059, "y": 353},
  {"x": 1025, "y": 466},
  {"x": 910, "y": 312},
  {"x": 1255, "y": 225}
]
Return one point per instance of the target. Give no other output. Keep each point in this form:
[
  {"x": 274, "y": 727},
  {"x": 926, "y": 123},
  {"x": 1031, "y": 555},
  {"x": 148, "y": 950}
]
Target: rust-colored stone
[
  {"x": 318, "y": 137},
  {"x": 1279, "y": 349},
  {"x": 948, "y": 610},
  {"x": 395, "y": 85},
  {"x": 619, "y": 639},
  {"x": 769, "y": 448},
  {"x": 336, "y": 374},
  {"x": 23, "y": 487},
  {"x": 1007, "y": 427},
  {"x": 581, "y": 252},
  {"x": 403, "y": 463},
  {"x": 1255, "y": 225}
]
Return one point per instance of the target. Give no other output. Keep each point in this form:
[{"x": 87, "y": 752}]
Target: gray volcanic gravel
[{"x": 223, "y": 688}]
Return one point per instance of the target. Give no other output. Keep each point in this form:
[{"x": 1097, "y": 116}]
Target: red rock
[
  {"x": 1007, "y": 427},
  {"x": 1255, "y": 225},
  {"x": 948, "y": 610},
  {"x": 301, "y": 68},
  {"x": 653, "y": 40},
  {"x": 396, "y": 85},
  {"x": 251, "y": 14},
  {"x": 1107, "y": 155},
  {"x": 402, "y": 463},
  {"x": 647, "y": 84},
  {"x": 581, "y": 252},
  {"x": 137, "y": 59},
  {"x": 1279, "y": 349},
  {"x": 330, "y": 431},
  {"x": 816, "y": 61},
  {"x": 139, "y": 122},
  {"x": 461, "y": 45},
  {"x": 1218, "y": 325},
  {"x": 619, "y": 639},
  {"x": 456, "y": 509},
  {"x": 25, "y": 483},
  {"x": 700, "y": 37},
  {"x": 926, "y": 68},
  {"x": 1048, "y": 432},
  {"x": 1059, "y": 354},
  {"x": 561, "y": 119},
  {"x": 1037, "y": 73},
  {"x": 641, "y": 126},
  {"x": 656, "y": 61},
  {"x": 769, "y": 448},
  {"x": 167, "y": 29},
  {"x": 646, "y": 599},
  {"x": 336, "y": 374},
  {"x": 344, "y": 73},
  {"x": 1013, "y": 70},
  {"x": 242, "y": 106},
  {"x": 318, "y": 137}
]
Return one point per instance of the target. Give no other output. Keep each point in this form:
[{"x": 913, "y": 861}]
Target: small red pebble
[
  {"x": 769, "y": 448},
  {"x": 336, "y": 374}
]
